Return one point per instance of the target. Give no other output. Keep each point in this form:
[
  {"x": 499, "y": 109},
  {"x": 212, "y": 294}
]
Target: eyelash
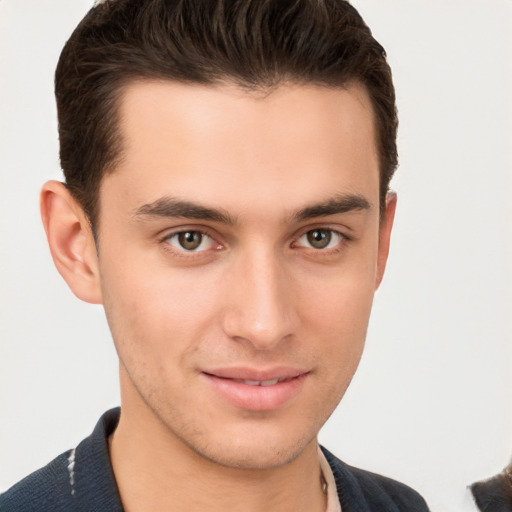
[
  {"x": 183, "y": 252},
  {"x": 168, "y": 246},
  {"x": 342, "y": 239}
]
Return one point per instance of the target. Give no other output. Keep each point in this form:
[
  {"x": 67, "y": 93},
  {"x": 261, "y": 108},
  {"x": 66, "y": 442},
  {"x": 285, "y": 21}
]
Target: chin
[
  {"x": 254, "y": 452},
  {"x": 251, "y": 459}
]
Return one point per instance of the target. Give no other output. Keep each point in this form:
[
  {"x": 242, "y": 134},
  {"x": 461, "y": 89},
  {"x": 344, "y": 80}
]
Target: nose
[{"x": 261, "y": 307}]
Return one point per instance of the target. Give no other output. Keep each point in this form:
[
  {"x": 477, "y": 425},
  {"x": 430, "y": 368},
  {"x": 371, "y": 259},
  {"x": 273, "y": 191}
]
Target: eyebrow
[
  {"x": 339, "y": 204},
  {"x": 170, "y": 207}
]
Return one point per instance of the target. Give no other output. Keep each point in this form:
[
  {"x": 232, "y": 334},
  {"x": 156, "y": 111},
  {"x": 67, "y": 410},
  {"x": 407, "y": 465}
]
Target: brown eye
[
  {"x": 190, "y": 240},
  {"x": 319, "y": 238}
]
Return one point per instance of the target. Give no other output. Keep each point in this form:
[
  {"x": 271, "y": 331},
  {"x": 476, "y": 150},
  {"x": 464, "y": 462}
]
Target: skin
[{"x": 256, "y": 181}]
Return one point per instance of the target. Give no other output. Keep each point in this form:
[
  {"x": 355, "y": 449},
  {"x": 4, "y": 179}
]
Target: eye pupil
[
  {"x": 319, "y": 238},
  {"x": 190, "y": 240}
]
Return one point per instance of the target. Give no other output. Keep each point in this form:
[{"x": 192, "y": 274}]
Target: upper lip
[{"x": 257, "y": 374}]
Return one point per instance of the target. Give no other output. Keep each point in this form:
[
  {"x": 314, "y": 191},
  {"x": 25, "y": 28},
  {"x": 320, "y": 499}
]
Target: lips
[{"x": 255, "y": 390}]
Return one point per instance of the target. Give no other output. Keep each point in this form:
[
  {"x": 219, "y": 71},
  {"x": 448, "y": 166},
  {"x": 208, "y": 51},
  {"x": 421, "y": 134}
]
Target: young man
[{"x": 227, "y": 168}]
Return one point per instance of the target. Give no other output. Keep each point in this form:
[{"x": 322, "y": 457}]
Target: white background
[{"x": 431, "y": 404}]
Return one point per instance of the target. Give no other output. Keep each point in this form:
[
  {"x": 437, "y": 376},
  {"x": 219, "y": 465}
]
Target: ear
[
  {"x": 386, "y": 225},
  {"x": 71, "y": 241}
]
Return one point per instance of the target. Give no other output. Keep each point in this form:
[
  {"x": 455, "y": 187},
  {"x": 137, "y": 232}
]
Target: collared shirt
[{"x": 82, "y": 480}]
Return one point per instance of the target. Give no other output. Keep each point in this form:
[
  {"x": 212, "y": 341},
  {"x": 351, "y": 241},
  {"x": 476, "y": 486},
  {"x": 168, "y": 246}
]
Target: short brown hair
[{"x": 253, "y": 43}]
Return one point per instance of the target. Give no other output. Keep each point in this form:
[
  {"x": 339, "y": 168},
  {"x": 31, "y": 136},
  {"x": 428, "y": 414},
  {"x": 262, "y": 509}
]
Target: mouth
[
  {"x": 254, "y": 382},
  {"x": 253, "y": 390}
]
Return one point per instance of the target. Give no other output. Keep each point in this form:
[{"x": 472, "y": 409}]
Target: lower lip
[{"x": 257, "y": 398}]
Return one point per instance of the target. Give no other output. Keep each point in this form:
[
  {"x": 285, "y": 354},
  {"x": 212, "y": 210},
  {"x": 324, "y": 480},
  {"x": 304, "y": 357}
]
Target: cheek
[
  {"x": 341, "y": 301},
  {"x": 337, "y": 320},
  {"x": 156, "y": 314}
]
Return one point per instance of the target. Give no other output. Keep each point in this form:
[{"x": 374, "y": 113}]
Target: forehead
[{"x": 225, "y": 143}]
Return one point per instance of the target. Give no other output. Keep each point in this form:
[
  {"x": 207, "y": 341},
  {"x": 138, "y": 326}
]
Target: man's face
[{"x": 238, "y": 257}]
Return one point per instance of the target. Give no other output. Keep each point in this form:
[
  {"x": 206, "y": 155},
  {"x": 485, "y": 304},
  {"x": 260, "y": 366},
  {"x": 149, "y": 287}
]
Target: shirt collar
[{"x": 333, "y": 502}]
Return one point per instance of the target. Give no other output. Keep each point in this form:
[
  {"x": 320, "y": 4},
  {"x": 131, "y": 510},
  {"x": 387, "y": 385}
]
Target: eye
[
  {"x": 321, "y": 238},
  {"x": 190, "y": 241}
]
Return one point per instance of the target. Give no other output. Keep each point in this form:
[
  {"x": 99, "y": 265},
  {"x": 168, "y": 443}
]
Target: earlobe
[
  {"x": 71, "y": 241},
  {"x": 386, "y": 226}
]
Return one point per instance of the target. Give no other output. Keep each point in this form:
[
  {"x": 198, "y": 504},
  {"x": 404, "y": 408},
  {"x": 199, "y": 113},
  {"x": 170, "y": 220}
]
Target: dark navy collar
[{"x": 94, "y": 483}]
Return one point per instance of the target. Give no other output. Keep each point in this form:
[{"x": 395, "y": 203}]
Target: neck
[{"x": 155, "y": 471}]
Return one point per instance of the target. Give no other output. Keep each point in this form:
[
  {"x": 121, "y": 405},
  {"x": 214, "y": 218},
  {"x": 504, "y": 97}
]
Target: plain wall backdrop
[{"x": 431, "y": 404}]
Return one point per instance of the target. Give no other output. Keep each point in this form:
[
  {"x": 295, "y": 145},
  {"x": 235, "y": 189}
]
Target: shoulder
[
  {"x": 46, "y": 489},
  {"x": 79, "y": 479},
  {"x": 362, "y": 490}
]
